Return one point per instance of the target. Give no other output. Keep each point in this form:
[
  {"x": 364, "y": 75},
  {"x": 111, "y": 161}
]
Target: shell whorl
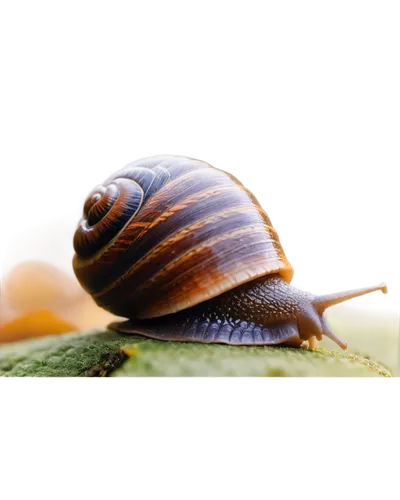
[{"x": 166, "y": 233}]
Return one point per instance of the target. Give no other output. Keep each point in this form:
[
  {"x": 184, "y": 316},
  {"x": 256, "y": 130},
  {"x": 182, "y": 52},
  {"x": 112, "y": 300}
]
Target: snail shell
[{"x": 187, "y": 253}]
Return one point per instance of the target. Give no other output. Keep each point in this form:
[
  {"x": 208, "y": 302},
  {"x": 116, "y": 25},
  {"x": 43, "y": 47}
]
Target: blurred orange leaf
[
  {"x": 34, "y": 324},
  {"x": 32, "y": 286},
  {"x": 39, "y": 299}
]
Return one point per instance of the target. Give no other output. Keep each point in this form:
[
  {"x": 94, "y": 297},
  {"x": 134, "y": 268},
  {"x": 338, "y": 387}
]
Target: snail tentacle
[
  {"x": 322, "y": 302},
  {"x": 326, "y": 330}
]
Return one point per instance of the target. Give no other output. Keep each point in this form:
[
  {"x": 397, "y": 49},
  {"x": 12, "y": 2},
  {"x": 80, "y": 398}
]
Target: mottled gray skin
[
  {"x": 266, "y": 311},
  {"x": 268, "y": 301}
]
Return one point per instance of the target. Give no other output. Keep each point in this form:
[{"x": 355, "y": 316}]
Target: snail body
[{"x": 187, "y": 253}]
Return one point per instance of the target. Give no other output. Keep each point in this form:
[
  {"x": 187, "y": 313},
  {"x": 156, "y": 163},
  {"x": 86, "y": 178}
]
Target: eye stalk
[
  {"x": 310, "y": 316},
  {"x": 324, "y": 301}
]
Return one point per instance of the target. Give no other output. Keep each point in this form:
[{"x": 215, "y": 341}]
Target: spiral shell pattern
[{"x": 166, "y": 233}]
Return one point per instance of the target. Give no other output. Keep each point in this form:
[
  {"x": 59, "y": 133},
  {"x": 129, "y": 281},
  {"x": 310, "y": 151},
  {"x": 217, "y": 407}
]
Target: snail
[{"x": 186, "y": 253}]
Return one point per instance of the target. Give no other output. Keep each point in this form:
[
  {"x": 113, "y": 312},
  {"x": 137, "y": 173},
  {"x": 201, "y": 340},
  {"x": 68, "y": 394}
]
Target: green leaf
[
  {"x": 218, "y": 360},
  {"x": 68, "y": 355},
  {"x": 100, "y": 353}
]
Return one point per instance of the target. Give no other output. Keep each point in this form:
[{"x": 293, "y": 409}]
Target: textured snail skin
[
  {"x": 261, "y": 312},
  {"x": 266, "y": 311},
  {"x": 187, "y": 253}
]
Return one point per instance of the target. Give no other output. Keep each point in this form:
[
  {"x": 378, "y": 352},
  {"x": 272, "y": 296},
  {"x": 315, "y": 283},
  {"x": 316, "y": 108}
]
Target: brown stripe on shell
[
  {"x": 234, "y": 258},
  {"x": 206, "y": 271},
  {"x": 180, "y": 242},
  {"x": 173, "y": 202},
  {"x": 128, "y": 173},
  {"x": 105, "y": 211},
  {"x": 187, "y": 223}
]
